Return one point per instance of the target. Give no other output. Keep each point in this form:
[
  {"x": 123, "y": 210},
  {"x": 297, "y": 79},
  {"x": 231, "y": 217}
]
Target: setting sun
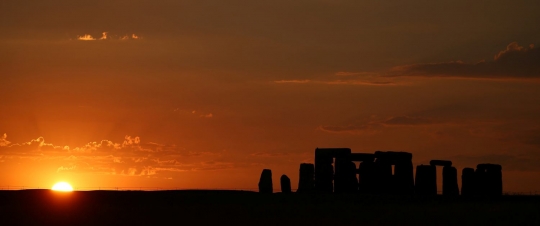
[{"x": 62, "y": 186}]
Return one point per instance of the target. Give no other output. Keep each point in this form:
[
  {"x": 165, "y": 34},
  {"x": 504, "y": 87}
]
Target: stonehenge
[
  {"x": 449, "y": 176},
  {"x": 468, "y": 182},
  {"x": 338, "y": 170},
  {"x": 381, "y": 172}
]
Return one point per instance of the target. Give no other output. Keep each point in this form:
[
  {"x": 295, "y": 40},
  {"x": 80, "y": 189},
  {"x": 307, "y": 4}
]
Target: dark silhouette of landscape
[{"x": 329, "y": 192}]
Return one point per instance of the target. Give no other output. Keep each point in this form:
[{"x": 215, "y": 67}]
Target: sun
[{"x": 62, "y": 186}]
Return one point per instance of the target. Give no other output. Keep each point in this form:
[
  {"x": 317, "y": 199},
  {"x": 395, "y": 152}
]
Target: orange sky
[{"x": 206, "y": 94}]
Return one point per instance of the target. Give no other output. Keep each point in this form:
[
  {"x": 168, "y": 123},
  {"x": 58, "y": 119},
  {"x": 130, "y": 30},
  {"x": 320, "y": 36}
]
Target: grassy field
[{"x": 45, "y": 207}]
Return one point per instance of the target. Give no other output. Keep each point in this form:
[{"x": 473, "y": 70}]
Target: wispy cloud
[
  {"x": 349, "y": 81},
  {"x": 514, "y": 62},
  {"x": 293, "y": 81},
  {"x": 86, "y": 37},
  {"x": 4, "y": 141},
  {"x": 106, "y": 36},
  {"x": 269, "y": 154},
  {"x": 131, "y": 157},
  {"x": 193, "y": 113},
  {"x": 376, "y": 123}
]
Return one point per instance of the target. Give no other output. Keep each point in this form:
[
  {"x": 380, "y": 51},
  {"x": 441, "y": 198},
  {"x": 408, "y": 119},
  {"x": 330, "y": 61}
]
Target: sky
[{"x": 205, "y": 94}]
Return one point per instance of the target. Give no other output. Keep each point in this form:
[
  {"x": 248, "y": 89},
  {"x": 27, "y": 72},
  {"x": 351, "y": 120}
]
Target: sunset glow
[
  {"x": 62, "y": 186},
  {"x": 86, "y": 38},
  {"x": 205, "y": 94}
]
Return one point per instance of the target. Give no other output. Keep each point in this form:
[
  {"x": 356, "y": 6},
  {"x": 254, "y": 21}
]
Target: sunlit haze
[
  {"x": 62, "y": 186},
  {"x": 206, "y": 94}
]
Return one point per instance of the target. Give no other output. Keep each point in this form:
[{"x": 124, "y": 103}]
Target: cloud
[
  {"x": 209, "y": 115},
  {"x": 349, "y": 81},
  {"x": 131, "y": 157},
  {"x": 3, "y": 140},
  {"x": 293, "y": 81},
  {"x": 86, "y": 37},
  {"x": 360, "y": 82},
  {"x": 211, "y": 165},
  {"x": 106, "y": 36},
  {"x": 347, "y": 78},
  {"x": 376, "y": 123},
  {"x": 353, "y": 129},
  {"x": 407, "y": 121},
  {"x": 514, "y": 62},
  {"x": 269, "y": 154},
  {"x": 194, "y": 113},
  {"x": 348, "y": 73}
]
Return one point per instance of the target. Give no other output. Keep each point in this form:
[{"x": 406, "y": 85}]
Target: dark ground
[{"x": 45, "y": 207}]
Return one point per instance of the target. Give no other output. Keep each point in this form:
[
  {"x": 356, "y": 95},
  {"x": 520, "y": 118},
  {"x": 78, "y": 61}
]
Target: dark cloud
[
  {"x": 407, "y": 121},
  {"x": 514, "y": 62},
  {"x": 530, "y": 137},
  {"x": 374, "y": 124},
  {"x": 269, "y": 154},
  {"x": 346, "y": 78},
  {"x": 354, "y": 129}
]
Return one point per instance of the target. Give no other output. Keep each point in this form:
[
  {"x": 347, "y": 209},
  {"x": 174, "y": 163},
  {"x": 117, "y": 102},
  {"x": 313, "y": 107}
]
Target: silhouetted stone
[
  {"x": 306, "y": 179},
  {"x": 324, "y": 171},
  {"x": 450, "y": 185},
  {"x": 468, "y": 182},
  {"x": 367, "y": 177},
  {"x": 384, "y": 178},
  {"x": 285, "y": 184},
  {"x": 426, "y": 180},
  {"x": 449, "y": 179},
  {"x": 265, "y": 183},
  {"x": 440, "y": 163},
  {"x": 366, "y": 180},
  {"x": 399, "y": 182},
  {"x": 345, "y": 177},
  {"x": 352, "y": 180},
  {"x": 362, "y": 157},
  {"x": 404, "y": 177},
  {"x": 489, "y": 179}
]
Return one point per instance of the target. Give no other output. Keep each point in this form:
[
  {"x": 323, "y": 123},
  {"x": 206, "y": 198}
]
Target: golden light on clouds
[
  {"x": 105, "y": 36},
  {"x": 86, "y": 37}
]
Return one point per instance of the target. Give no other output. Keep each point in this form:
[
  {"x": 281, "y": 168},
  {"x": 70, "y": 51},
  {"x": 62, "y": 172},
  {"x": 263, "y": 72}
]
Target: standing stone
[
  {"x": 324, "y": 170},
  {"x": 489, "y": 179},
  {"x": 481, "y": 180},
  {"x": 468, "y": 182},
  {"x": 450, "y": 185},
  {"x": 306, "y": 180},
  {"x": 426, "y": 180},
  {"x": 395, "y": 172},
  {"x": 496, "y": 177},
  {"x": 367, "y": 177},
  {"x": 352, "y": 181},
  {"x": 404, "y": 177},
  {"x": 285, "y": 184},
  {"x": 265, "y": 183},
  {"x": 345, "y": 177}
]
